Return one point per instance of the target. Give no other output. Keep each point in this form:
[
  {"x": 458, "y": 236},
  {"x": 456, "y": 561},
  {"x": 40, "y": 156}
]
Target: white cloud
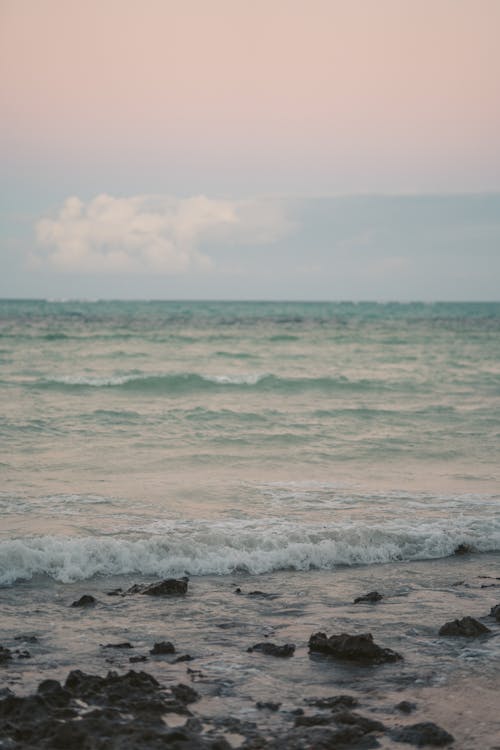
[{"x": 153, "y": 234}]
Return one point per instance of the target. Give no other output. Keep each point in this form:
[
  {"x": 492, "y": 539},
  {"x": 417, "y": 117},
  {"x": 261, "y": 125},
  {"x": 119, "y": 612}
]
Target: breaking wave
[{"x": 206, "y": 548}]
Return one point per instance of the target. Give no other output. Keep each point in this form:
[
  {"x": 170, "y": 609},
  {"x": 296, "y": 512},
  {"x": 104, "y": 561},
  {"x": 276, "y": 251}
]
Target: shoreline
[{"x": 451, "y": 681}]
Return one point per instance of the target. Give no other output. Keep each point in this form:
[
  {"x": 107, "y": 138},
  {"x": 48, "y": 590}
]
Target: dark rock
[
  {"x": 406, "y": 707},
  {"x": 334, "y": 702},
  {"x": 163, "y": 647},
  {"x": 22, "y": 653},
  {"x": 123, "y": 644},
  {"x": 85, "y": 601},
  {"x": 424, "y": 733},
  {"x": 358, "y": 648},
  {"x": 372, "y": 597},
  {"x": 167, "y": 587},
  {"x": 272, "y": 650},
  {"x": 137, "y": 659},
  {"x": 463, "y": 549},
  {"x": 495, "y": 612},
  {"x": 269, "y": 705},
  {"x": 316, "y": 720},
  {"x": 237, "y": 591},
  {"x": 362, "y": 722},
  {"x": 5, "y": 655},
  {"x": 53, "y": 694},
  {"x": 490, "y": 585},
  {"x": 467, "y": 626},
  {"x": 185, "y": 693}
]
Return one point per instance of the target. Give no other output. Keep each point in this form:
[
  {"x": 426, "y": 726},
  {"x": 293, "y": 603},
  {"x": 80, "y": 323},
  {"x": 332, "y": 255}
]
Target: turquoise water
[{"x": 211, "y": 437}]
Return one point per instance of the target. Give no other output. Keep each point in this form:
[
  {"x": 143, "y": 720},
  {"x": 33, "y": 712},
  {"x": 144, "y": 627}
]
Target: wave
[
  {"x": 203, "y": 548},
  {"x": 189, "y": 381}
]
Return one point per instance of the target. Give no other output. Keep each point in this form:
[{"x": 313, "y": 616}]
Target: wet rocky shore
[{"x": 126, "y": 707}]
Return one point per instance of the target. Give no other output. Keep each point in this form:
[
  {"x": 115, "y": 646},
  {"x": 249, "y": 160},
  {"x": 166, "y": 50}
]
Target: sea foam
[{"x": 205, "y": 548}]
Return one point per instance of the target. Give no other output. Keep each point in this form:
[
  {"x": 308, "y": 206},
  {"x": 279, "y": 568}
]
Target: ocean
[{"x": 310, "y": 451}]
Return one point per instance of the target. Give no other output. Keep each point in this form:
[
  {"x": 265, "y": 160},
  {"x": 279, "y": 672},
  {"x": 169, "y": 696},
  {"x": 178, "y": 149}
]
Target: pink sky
[{"x": 334, "y": 95}]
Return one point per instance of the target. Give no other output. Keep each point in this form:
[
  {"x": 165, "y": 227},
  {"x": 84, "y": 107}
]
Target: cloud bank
[{"x": 153, "y": 234}]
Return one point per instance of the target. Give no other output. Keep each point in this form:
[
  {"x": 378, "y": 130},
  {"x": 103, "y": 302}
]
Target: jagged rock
[
  {"x": 5, "y": 655},
  {"x": 87, "y": 600},
  {"x": 467, "y": 626},
  {"x": 358, "y": 648},
  {"x": 333, "y": 702},
  {"x": 121, "y": 712},
  {"x": 495, "y": 612},
  {"x": 371, "y": 597},
  {"x": 272, "y": 650},
  {"x": 406, "y": 707},
  {"x": 424, "y": 733},
  {"x": 185, "y": 693},
  {"x": 167, "y": 587},
  {"x": 163, "y": 647}
]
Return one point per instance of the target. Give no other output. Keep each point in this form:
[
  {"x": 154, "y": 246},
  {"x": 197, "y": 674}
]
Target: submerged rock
[
  {"x": 372, "y": 597},
  {"x": 123, "y": 644},
  {"x": 467, "y": 626},
  {"x": 268, "y": 705},
  {"x": 167, "y": 587},
  {"x": 406, "y": 707},
  {"x": 271, "y": 649},
  {"x": 5, "y": 655},
  {"x": 358, "y": 648},
  {"x": 334, "y": 702},
  {"x": 463, "y": 549},
  {"x": 424, "y": 733},
  {"x": 87, "y": 600},
  {"x": 163, "y": 647},
  {"x": 495, "y": 612}
]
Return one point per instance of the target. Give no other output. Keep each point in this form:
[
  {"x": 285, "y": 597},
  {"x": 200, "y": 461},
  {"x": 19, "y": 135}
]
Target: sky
[{"x": 298, "y": 149}]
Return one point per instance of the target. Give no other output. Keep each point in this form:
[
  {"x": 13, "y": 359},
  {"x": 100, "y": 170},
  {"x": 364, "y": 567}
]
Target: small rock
[
  {"x": 358, "y": 648},
  {"x": 183, "y": 657},
  {"x": 22, "y": 653},
  {"x": 463, "y": 549},
  {"x": 272, "y": 650},
  {"x": 5, "y": 655},
  {"x": 495, "y": 612},
  {"x": 124, "y": 644},
  {"x": 163, "y": 647},
  {"x": 261, "y": 595},
  {"x": 167, "y": 587},
  {"x": 424, "y": 733},
  {"x": 269, "y": 705},
  {"x": 185, "y": 693},
  {"x": 372, "y": 597},
  {"x": 467, "y": 626},
  {"x": 87, "y": 600},
  {"x": 406, "y": 707}
]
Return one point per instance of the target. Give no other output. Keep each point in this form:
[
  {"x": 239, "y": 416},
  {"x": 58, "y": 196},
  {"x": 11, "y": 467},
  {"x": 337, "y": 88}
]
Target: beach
[{"x": 285, "y": 459}]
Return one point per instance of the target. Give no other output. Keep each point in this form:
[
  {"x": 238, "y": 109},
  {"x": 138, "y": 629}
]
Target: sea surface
[{"x": 313, "y": 451}]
